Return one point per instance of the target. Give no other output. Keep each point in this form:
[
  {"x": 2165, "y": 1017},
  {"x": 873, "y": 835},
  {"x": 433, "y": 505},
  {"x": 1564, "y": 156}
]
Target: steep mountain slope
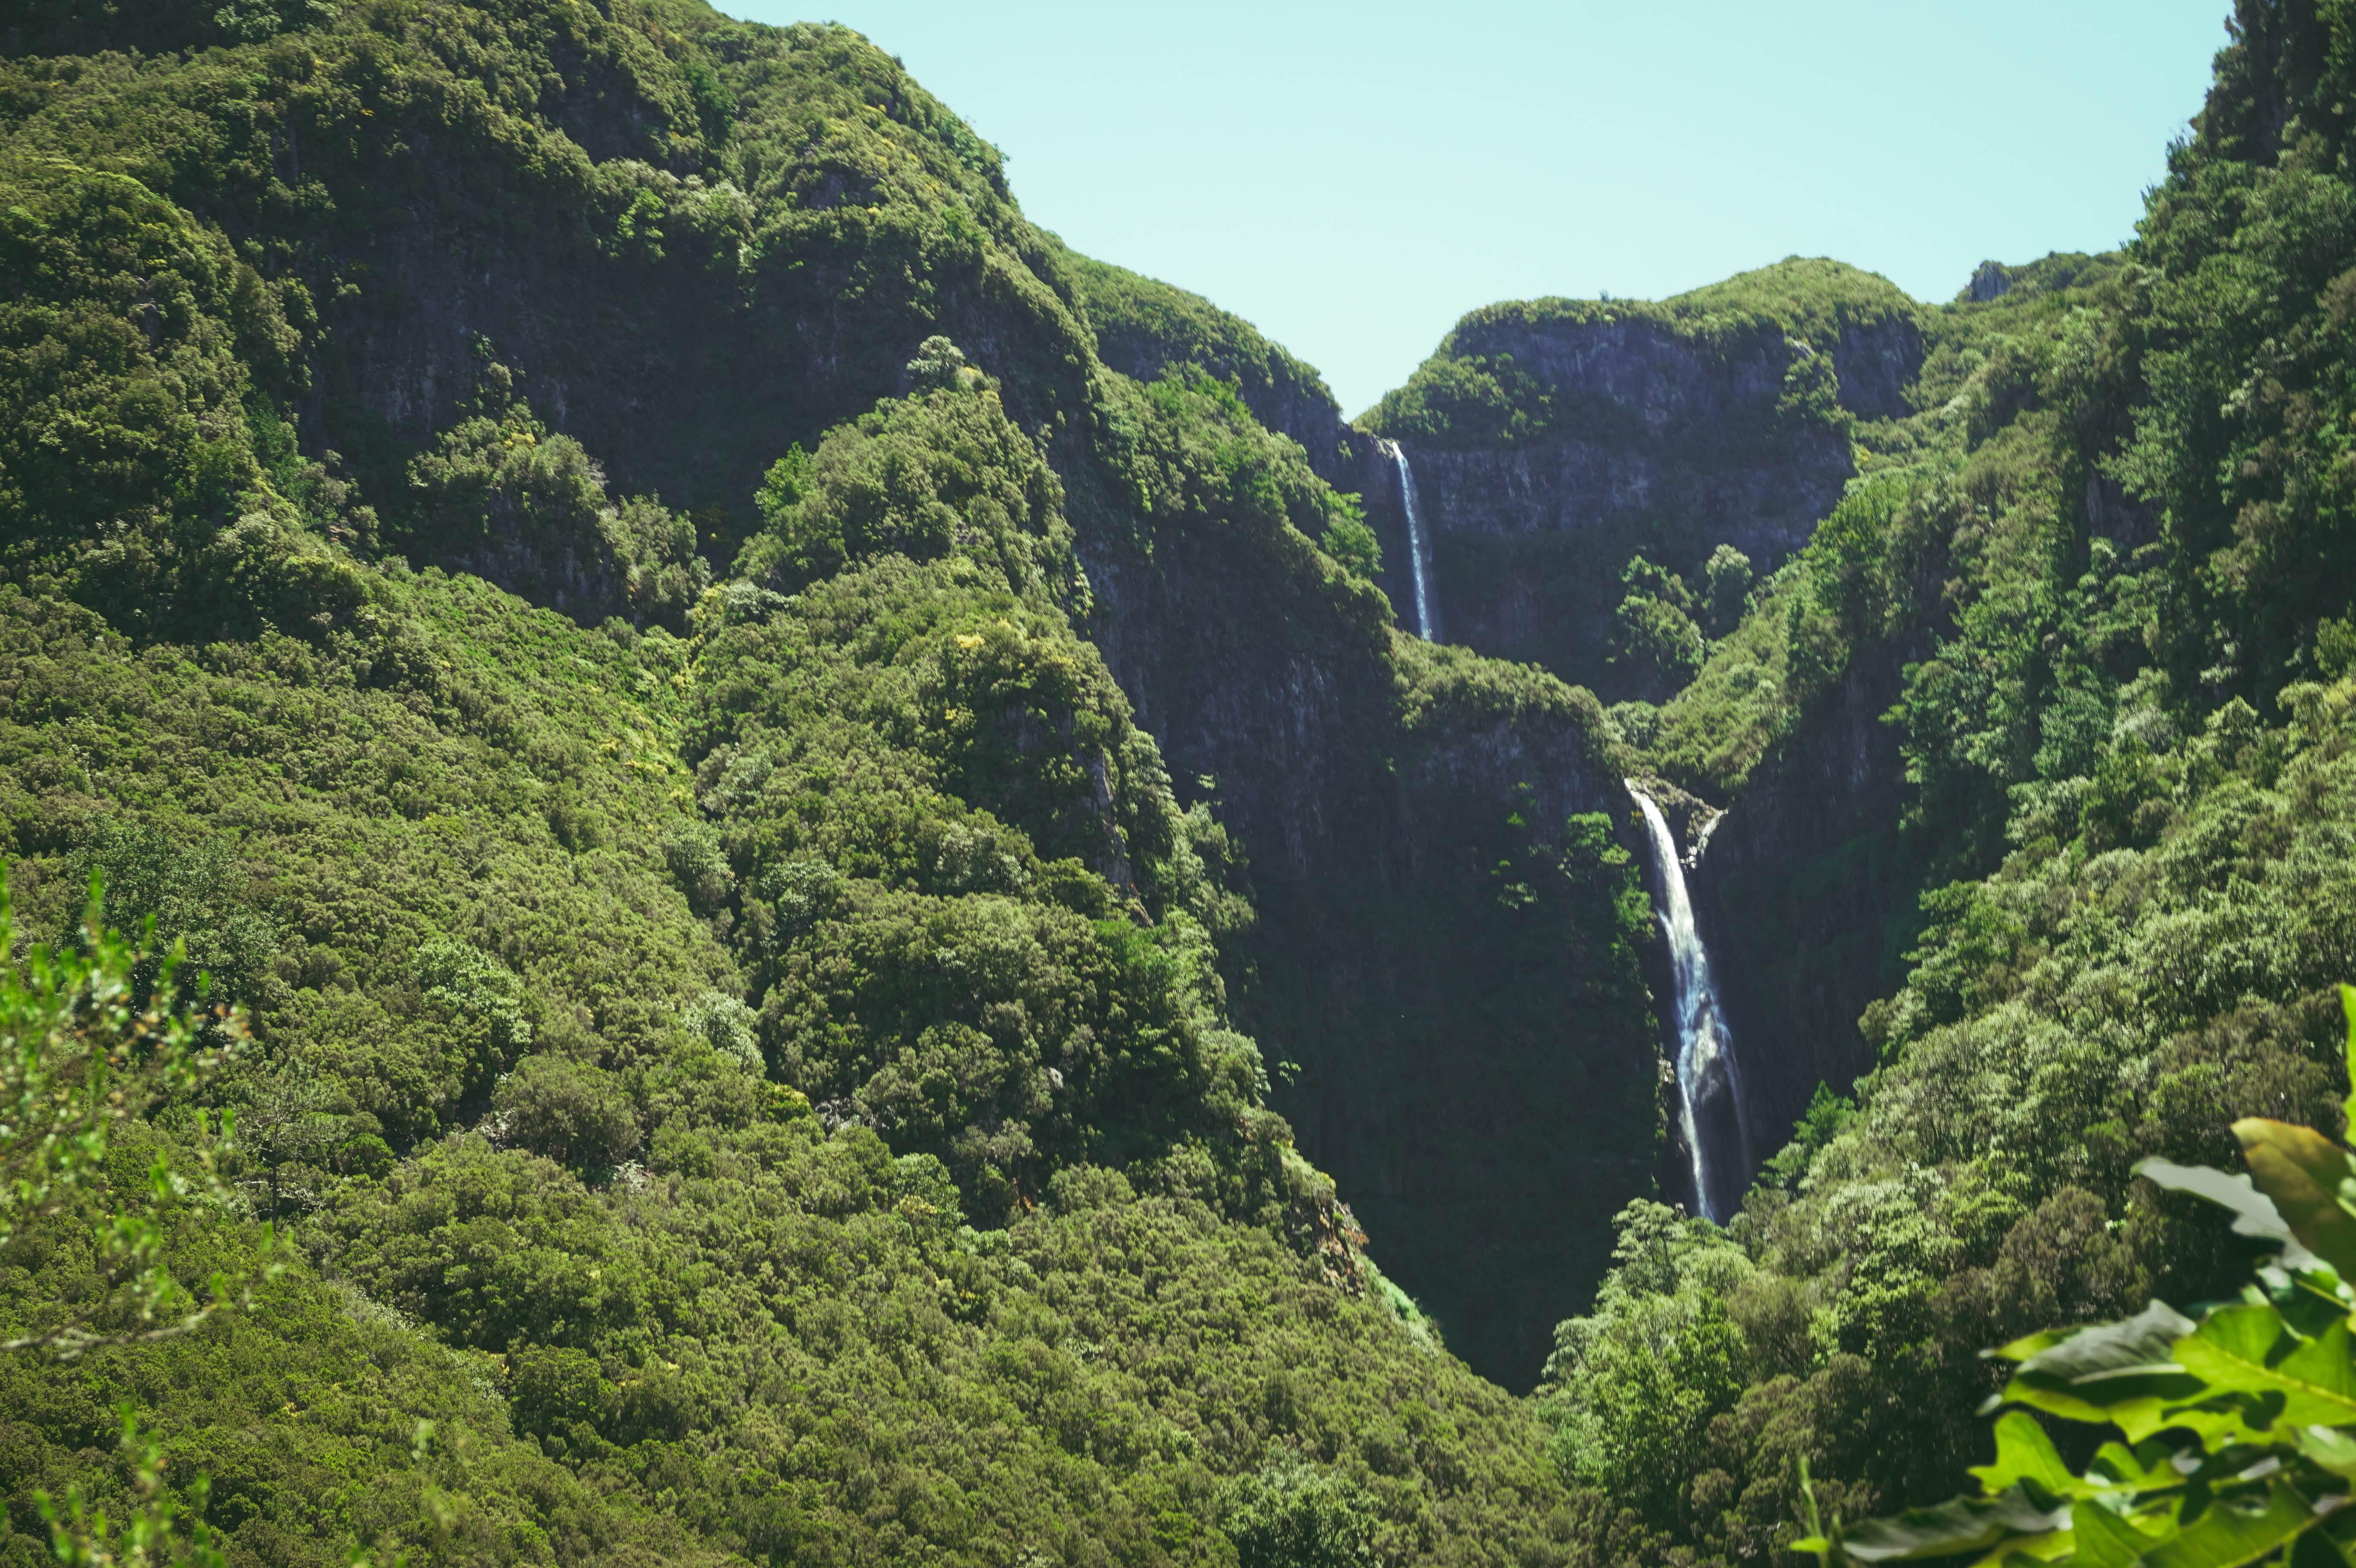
[
  {"x": 584, "y": 558},
  {"x": 2123, "y": 720}
]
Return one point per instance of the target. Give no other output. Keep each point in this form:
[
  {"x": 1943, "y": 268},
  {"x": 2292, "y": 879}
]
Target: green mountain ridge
[
  {"x": 692, "y": 1008},
  {"x": 858, "y": 929}
]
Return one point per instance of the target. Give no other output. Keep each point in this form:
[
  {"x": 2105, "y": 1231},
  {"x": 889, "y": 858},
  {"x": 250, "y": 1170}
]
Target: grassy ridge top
[
  {"x": 1814, "y": 299},
  {"x": 1142, "y": 322}
]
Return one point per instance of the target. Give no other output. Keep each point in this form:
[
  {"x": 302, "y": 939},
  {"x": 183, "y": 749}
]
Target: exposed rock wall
[
  {"x": 1654, "y": 441},
  {"x": 1805, "y": 896},
  {"x": 1458, "y": 1048}
]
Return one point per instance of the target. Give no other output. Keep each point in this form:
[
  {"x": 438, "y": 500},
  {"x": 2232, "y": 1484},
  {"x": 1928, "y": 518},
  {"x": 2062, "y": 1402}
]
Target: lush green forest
[
  {"x": 723, "y": 1019},
  {"x": 2104, "y": 560},
  {"x": 703, "y": 843}
]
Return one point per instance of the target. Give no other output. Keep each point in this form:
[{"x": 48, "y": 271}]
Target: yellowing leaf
[
  {"x": 2254, "y": 1213},
  {"x": 2301, "y": 1171}
]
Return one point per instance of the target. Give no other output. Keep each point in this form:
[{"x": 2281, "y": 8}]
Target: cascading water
[
  {"x": 1418, "y": 549},
  {"x": 1709, "y": 1111}
]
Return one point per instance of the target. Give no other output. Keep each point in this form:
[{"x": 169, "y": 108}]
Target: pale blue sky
[{"x": 1353, "y": 178}]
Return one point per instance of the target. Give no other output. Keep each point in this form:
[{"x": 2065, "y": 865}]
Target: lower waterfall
[
  {"x": 1709, "y": 1111},
  {"x": 1418, "y": 549}
]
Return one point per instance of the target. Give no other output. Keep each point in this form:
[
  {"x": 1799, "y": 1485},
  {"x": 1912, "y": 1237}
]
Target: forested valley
[{"x": 713, "y": 858}]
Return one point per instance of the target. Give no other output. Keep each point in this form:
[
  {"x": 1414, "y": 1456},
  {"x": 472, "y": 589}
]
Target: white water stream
[
  {"x": 1418, "y": 549},
  {"x": 1709, "y": 1111}
]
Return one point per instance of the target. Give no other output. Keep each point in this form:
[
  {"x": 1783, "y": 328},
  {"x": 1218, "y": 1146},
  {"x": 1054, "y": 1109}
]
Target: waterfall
[
  {"x": 1418, "y": 549},
  {"x": 1709, "y": 1111}
]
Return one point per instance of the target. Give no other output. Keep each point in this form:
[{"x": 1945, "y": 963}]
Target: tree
[
  {"x": 85, "y": 1051},
  {"x": 1726, "y": 591},
  {"x": 568, "y": 1111},
  {"x": 1292, "y": 1514},
  {"x": 2239, "y": 1425},
  {"x": 94, "y": 1036}
]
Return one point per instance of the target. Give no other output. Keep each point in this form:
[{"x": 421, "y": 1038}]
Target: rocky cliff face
[
  {"x": 1448, "y": 1036},
  {"x": 1634, "y": 434},
  {"x": 1473, "y": 1026},
  {"x": 1803, "y": 894}
]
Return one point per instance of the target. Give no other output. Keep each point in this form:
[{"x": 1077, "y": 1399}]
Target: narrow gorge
[{"x": 714, "y": 858}]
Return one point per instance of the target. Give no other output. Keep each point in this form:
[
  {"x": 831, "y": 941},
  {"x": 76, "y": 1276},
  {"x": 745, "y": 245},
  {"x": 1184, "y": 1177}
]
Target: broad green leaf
[
  {"x": 2232, "y": 1533},
  {"x": 2105, "y": 1539},
  {"x": 2254, "y": 1213},
  {"x": 2250, "y": 1349},
  {"x": 2122, "y": 1373},
  {"x": 2029, "y": 1345},
  {"x": 2126, "y": 1470},
  {"x": 2302, "y": 1170},
  {"x": 2332, "y": 1546},
  {"x": 2140, "y": 1346},
  {"x": 2029, "y": 1551},
  {"x": 2023, "y": 1453},
  {"x": 1964, "y": 1524}
]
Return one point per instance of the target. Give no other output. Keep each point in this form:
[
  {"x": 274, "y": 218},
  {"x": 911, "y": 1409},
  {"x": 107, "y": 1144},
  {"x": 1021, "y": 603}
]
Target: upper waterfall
[
  {"x": 1418, "y": 549},
  {"x": 1709, "y": 1111}
]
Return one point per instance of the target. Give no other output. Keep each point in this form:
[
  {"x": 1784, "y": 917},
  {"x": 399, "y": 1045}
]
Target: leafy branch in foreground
[
  {"x": 2239, "y": 1426},
  {"x": 87, "y": 1050},
  {"x": 85, "y": 1538}
]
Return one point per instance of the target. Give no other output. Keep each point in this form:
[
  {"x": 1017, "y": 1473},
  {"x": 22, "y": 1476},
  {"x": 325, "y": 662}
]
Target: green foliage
[
  {"x": 1632, "y": 1389},
  {"x": 1292, "y": 1515},
  {"x": 939, "y": 366},
  {"x": 944, "y": 473},
  {"x": 747, "y": 1068},
  {"x": 2239, "y": 1425},
  {"x": 2124, "y": 814},
  {"x": 2093, "y": 1004},
  {"x": 1144, "y": 327},
  {"x": 1472, "y": 394},
  {"x": 501, "y": 493},
  {"x": 572, "y": 1112},
  {"x": 85, "y": 1537},
  {"x": 1348, "y": 538},
  {"x": 462, "y": 977},
  {"x": 1475, "y": 400},
  {"x": 190, "y": 899},
  {"x": 1826, "y": 1115},
  {"x": 1725, "y": 588},
  {"x": 93, "y": 1039},
  {"x": 1654, "y": 639}
]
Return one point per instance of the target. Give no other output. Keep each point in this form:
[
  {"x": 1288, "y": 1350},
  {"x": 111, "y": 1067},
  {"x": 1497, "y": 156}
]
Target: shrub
[
  {"x": 1292, "y": 1514},
  {"x": 574, "y": 1114}
]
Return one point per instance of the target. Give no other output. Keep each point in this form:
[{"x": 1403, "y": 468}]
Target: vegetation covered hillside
[
  {"x": 542, "y": 292},
  {"x": 581, "y": 563},
  {"x": 2121, "y": 717},
  {"x": 794, "y": 821}
]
